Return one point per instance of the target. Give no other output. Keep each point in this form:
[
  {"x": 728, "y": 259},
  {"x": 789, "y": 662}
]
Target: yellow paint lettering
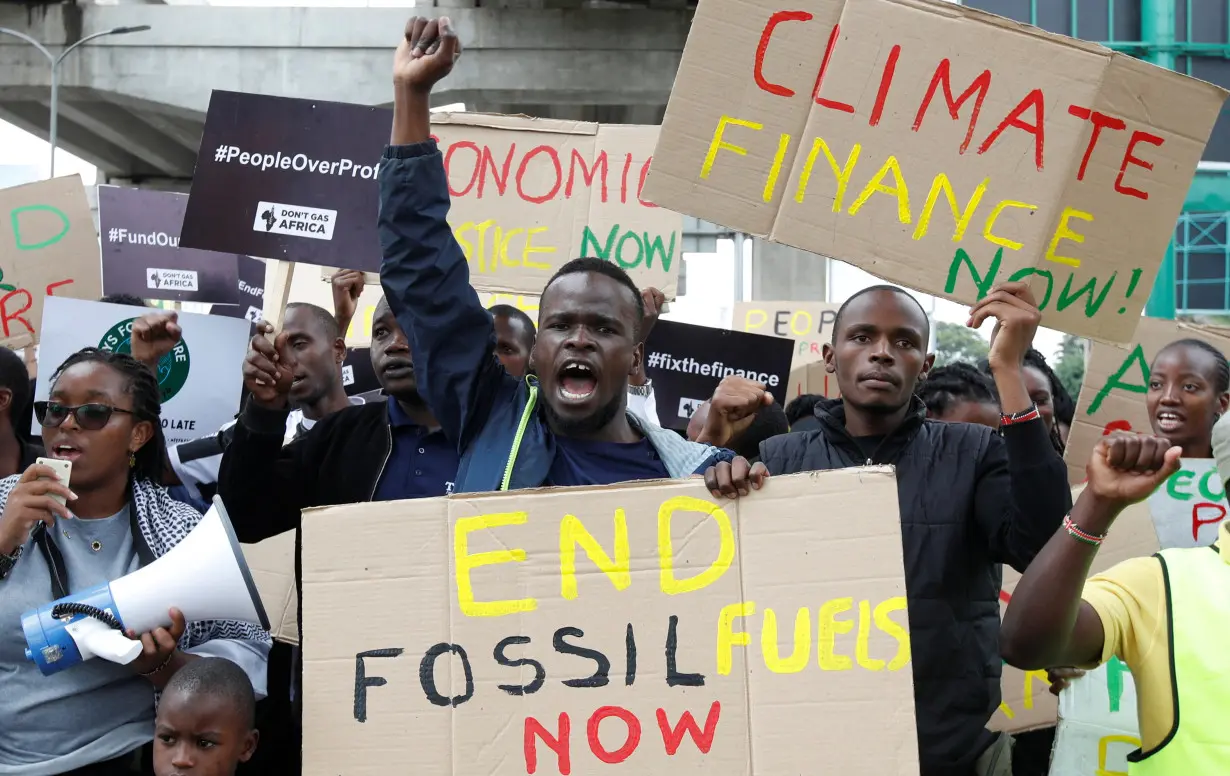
[
  {"x": 719, "y": 143},
  {"x": 783, "y": 145},
  {"x": 988, "y": 229},
  {"x": 1064, "y": 232},
  {"x": 805, "y": 328},
  {"x": 1104, "y": 753},
  {"x": 889, "y": 625},
  {"x": 863, "y": 643},
  {"x": 960, "y": 216},
  {"x": 841, "y": 174},
  {"x": 761, "y": 317},
  {"x": 727, "y": 637},
  {"x": 802, "y": 643},
  {"x": 465, "y": 562},
  {"x": 1030, "y": 678},
  {"x": 572, "y": 532},
  {"x": 898, "y": 190},
  {"x": 829, "y": 629},
  {"x": 530, "y": 249},
  {"x": 503, "y": 247},
  {"x": 726, "y": 552}
]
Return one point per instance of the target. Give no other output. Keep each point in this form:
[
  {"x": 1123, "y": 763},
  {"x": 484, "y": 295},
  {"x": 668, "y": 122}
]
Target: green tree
[
  {"x": 955, "y": 342},
  {"x": 1070, "y": 365}
]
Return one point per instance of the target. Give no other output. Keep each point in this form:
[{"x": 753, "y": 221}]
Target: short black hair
[
  {"x": 873, "y": 289},
  {"x": 1061, "y": 400},
  {"x": 516, "y": 313},
  {"x": 322, "y": 316},
  {"x": 131, "y": 300},
  {"x": 220, "y": 678},
  {"x": 146, "y": 403},
  {"x": 611, "y": 270},
  {"x": 1221, "y": 380},
  {"x": 15, "y": 377},
  {"x": 802, "y": 406},
  {"x": 953, "y": 384},
  {"x": 769, "y": 422}
]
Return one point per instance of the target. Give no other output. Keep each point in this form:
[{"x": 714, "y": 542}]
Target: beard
[{"x": 583, "y": 426}]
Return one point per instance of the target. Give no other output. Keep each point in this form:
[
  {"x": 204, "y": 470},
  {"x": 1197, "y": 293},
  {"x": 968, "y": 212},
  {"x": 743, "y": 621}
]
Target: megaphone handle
[{"x": 73, "y": 607}]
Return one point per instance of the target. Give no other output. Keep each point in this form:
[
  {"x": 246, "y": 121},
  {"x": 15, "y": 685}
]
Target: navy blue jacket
[{"x": 495, "y": 419}]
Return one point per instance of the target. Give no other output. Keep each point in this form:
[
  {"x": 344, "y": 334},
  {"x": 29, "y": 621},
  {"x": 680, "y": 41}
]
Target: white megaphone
[{"x": 204, "y": 576}]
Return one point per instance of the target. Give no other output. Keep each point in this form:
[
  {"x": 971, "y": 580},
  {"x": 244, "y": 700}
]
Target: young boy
[{"x": 206, "y": 720}]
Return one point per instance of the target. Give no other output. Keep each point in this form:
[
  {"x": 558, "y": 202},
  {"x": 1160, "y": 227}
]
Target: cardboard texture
[
  {"x": 465, "y": 640},
  {"x": 48, "y": 247},
  {"x": 810, "y": 325},
  {"x": 272, "y": 563},
  {"x": 1027, "y": 701},
  {"x": 937, "y": 146},
  {"x": 1189, "y": 507},
  {"x": 1098, "y": 725},
  {"x": 1112, "y": 395}
]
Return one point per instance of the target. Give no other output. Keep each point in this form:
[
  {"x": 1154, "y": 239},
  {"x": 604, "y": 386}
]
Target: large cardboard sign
[
  {"x": 1098, "y": 724},
  {"x": 937, "y": 146},
  {"x": 200, "y": 378},
  {"x": 295, "y": 180},
  {"x": 641, "y": 629},
  {"x": 1027, "y": 703},
  {"x": 251, "y": 295},
  {"x": 48, "y": 247},
  {"x": 809, "y": 325},
  {"x": 1189, "y": 507},
  {"x": 686, "y": 362},
  {"x": 141, "y": 253},
  {"x": 1112, "y": 396}
]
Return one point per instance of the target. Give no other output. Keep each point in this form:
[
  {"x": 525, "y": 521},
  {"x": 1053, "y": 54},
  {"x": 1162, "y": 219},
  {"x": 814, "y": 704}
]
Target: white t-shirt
[{"x": 197, "y": 461}]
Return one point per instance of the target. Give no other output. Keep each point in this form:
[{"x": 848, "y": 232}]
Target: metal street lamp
[{"x": 55, "y": 72}]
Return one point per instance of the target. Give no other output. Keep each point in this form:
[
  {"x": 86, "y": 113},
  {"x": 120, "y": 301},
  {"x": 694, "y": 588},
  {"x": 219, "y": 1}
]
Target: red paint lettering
[
  {"x": 501, "y": 178},
  {"x": 448, "y": 159},
  {"x": 623, "y": 181},
  {"x": 630, "y": 742},
  {"x": 943, "y": 76},
  {"x": 525, "y": 163},
  {"x": 49, "y": 291},
  {"x": 1197, "y": 521},
  {"x": 672, "y": 738},
  {"x": 1032, "y": 100},
  {"x": 763, "y": 47},
  {"x": 1099, "y": 120},
  {"x": 1138, "y": 136},
  {"x": 1116, "y": 425},
  {"x": 824, "y": 67},
  {"x": 886, "y": 80},
  {"x": 640, "y": 186},
  {"x": 16, "y": 315},
  {"x": 587, "y": 173},
  {"x": 557, "y": 744}
]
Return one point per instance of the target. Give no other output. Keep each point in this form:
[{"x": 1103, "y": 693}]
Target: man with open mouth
[{"x": 566, "y": 423}]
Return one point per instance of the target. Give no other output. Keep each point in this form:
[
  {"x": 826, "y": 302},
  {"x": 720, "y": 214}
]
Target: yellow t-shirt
[{"x": 1130, "y": 600}]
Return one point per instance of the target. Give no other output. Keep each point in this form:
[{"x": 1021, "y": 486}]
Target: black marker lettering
[
  {"x": 362, "y": 681},
  {"x": 540, "y": 673},
  {"x": 673, "y": 677},
  {"x": 600, "y": 677},
  {"x": 427, "y": 675}
]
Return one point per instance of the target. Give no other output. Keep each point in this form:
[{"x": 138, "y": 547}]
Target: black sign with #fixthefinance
[{"x": 686, "y": 362}]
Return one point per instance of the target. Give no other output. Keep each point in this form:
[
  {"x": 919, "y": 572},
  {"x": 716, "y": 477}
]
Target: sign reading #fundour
[
  {"x": 199, "y": 379},
  {"x": 141, "y": 254}
]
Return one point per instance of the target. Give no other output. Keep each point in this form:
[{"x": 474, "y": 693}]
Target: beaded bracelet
[
  {"x": 1020, "y": 417},
  {"x": 160, "y": 668},
  {"x": 1080, "y": 535}
]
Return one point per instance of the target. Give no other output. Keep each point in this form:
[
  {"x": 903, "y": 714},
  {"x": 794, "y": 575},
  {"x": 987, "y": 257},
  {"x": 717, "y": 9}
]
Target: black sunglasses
[{"x": 90, "y": 417}]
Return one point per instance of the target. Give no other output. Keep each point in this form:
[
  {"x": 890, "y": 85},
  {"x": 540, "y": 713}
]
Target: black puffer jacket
[{"x": 970, "y": 501}]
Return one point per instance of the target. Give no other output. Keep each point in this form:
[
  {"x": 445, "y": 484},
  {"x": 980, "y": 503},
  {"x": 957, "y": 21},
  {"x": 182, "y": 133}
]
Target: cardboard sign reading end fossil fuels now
[
  {"x": 937, "y": 146},
  {"x": 645, "y": 629}
]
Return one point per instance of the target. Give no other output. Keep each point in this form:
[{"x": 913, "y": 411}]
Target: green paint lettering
[
  {"x": 1215, "y": 478},
  {"x": 1021, "y": 274},
  {"x": 6, "y": 286},
  {"x": 1115, "y": 670},
  {"x": 619, "y": 251},
  {"x": 1135, "y": 358},
  {"x": 1180, "y": 479},
  {"x": 654, "y": 245},
  {"x": 22, "y": 245},
  {"x": 1067, "y": 297},
  {"x": 600, "y": 251},
  {"x": 983, "y": 283}
]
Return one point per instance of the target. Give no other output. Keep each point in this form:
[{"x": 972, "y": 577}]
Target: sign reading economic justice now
[
  {"x": 937, "y": 146},
  {"x": 647, "y": 629}
]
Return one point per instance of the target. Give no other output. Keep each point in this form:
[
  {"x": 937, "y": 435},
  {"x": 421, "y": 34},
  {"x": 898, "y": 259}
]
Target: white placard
[
  {"x": 1188, "y": 508},
  {"x": 1098, "y": 724},
  {"x": 200, "y": 379}
]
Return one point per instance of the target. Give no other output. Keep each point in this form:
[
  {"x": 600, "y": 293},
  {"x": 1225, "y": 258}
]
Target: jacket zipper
[
  {"x": 516, "y": 446},
  {"x": 388, "y": 452}
]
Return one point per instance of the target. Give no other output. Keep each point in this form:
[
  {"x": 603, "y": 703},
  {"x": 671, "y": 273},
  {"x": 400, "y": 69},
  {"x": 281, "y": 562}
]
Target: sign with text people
[
  {"x": 1116, "y": 384},
  {"x": 141, "y": 254},
  {"x": 527, "y": 194},
  {"x": 48, "y": 247},
  {"x": 643, "y": 629},
  {"x": 937, "y": 146},
  {"x": 810, "y": 325}
]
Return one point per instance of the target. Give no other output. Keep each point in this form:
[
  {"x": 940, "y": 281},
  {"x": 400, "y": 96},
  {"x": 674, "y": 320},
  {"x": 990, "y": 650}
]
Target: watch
[
  {"x": 7, "y": 562},
  {"x": 641, "y": 390}
]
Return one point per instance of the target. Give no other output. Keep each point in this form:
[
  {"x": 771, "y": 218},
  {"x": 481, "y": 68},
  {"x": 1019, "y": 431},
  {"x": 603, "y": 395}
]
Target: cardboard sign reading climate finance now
[
  {"x": 295, "y": 179},
  {"x": 937, "y": 146}
]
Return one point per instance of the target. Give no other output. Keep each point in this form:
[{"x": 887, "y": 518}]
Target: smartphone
[{"x": 63, "y": 469}]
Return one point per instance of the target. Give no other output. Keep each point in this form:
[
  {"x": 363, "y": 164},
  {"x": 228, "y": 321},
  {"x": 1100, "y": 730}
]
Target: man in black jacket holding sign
[{"x": 970, "y": 499}]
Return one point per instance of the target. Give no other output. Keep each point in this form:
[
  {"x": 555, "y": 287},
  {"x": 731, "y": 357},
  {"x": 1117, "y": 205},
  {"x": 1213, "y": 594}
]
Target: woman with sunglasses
[{"x": 96, "y": 718}]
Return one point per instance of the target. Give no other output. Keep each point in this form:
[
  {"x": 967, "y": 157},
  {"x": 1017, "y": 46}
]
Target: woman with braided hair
[
  {"x": 111, "y": 518},
  {"x": 960, "y": 393}
]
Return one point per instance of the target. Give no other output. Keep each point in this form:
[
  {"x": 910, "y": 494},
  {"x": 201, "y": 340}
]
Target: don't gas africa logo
[{"x": 173, "y": 368}]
